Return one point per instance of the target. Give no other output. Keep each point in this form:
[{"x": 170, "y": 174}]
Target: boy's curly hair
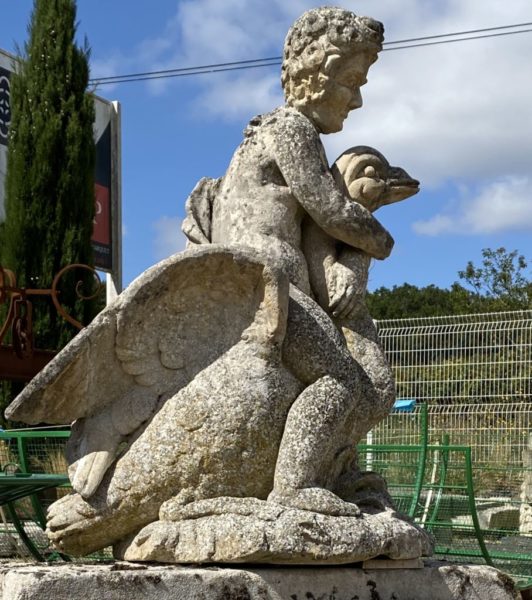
[{"x": 318, "y": 34}]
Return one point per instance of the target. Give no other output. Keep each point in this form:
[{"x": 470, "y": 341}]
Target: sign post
[{"x": 107, "y": 233}]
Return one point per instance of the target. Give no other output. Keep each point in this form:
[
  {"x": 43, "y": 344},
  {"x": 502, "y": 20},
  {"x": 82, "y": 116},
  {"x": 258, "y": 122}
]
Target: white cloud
[
  {"x": 436, "y": 225},
  {"x": 233, "y": 29},
  {"x": 211, "y": 32},
  {"x": 108, "y": 67},
  {"x": 252, "y": 95},
  {"x": 169, "y": 238},
  {"x": 503, "y": 205},
  {"x": 456, "y": 111}
]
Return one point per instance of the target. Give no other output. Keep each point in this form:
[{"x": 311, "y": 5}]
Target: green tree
[
  {"x": 50, "y": 176},
  {"x": 501, "y": 282},
  {"x": 404, "y": 301}
]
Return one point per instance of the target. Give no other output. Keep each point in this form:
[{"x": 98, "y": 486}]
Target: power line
[
  {"x": 186, "y": 69},
  {"x": 195, "y": 71},
  {"x": 470, "y": 31},
  {"x": 465, "y": 39},
  {"x": 266, "y": 62},
  {"x": 276, "y": 60}
]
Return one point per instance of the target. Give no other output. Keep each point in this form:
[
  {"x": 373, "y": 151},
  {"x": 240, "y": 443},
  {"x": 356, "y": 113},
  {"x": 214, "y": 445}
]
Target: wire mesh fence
[
  {"x": 471, "y": 377},
  {"x": 475, "y": 374},
  {"x": 498, "y": 435},
  {"x": 466, "y": 359}
]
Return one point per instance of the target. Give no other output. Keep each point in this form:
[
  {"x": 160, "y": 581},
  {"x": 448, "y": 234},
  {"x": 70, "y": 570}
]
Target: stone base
[
  {"x": 274, "y": 534},
  {"x": 129, "y": 581}
]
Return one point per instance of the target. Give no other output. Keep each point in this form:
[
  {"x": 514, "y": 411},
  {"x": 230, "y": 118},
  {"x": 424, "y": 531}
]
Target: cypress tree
[{"x": 50, "y": 175}]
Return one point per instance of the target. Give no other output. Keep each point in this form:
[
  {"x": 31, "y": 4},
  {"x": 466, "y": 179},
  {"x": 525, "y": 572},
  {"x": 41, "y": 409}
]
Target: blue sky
[{"x": 456, "y": 116}]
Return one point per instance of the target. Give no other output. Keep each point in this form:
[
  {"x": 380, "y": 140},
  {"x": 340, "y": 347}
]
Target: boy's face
[{"x": 345, "y": 77}]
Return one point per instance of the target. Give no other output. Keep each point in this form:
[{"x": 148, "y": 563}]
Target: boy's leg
[
  {"x": 312, "y": 451},
  {"x": 319, "y": 436}
]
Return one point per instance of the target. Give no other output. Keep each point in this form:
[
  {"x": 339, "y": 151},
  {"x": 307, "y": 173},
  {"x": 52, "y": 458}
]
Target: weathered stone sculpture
[
  {"x": 216, "y": 403},
  {"x": 339, "y": 273}
]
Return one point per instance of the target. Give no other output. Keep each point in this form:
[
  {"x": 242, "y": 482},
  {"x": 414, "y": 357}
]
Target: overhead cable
[
  {"x": 276, "y": 60},
  {"x": 464, "y": 39}
]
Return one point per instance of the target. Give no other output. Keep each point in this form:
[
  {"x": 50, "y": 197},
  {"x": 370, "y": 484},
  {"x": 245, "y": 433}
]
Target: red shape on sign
[{"x": 101, "y": 233}]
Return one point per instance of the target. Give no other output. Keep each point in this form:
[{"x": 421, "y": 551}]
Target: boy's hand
[{"x": 346, "y": 291}]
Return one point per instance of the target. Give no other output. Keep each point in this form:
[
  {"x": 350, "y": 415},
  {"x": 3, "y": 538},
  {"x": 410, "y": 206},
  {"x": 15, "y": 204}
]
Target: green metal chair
[
  {"x": 23, "y": 454},
  {"x": 434, "y": 485}
]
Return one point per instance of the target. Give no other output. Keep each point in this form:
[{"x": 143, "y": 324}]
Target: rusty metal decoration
[{"x": 20, "y": 361}]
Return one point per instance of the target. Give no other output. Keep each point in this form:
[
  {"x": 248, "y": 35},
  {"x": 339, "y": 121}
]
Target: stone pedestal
[
  {"x": 265, "y": 532},
  {"x": 133, "y": 581}
]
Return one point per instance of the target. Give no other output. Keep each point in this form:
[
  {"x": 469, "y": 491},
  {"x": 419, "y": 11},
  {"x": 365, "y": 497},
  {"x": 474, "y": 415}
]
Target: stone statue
[
  {"x": 217, "y": 403},
  {"x": 366, "y": 177}
]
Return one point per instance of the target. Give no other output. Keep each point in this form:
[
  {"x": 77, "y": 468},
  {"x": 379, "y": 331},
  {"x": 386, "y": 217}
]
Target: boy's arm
[
  {"x": 321, "y": 254},
  {"x": 301, "y": 159},
  {"x": 338, "y": 277}
]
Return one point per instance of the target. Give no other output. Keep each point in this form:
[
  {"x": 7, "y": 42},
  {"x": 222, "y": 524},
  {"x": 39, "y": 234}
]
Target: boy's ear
[{"x": 330, "y": 63}]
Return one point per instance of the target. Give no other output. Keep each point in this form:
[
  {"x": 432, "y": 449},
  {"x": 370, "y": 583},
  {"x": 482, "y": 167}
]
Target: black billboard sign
[
  {"x": 105, "y": 243},
  {"x": 5, "y": 105}
]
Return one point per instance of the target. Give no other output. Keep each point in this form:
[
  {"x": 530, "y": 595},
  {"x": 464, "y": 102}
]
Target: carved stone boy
[
  {"x": 212, "y": 392},
  {"x": 280, "y": 174},
  {"x": 277, "y": 183}
]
